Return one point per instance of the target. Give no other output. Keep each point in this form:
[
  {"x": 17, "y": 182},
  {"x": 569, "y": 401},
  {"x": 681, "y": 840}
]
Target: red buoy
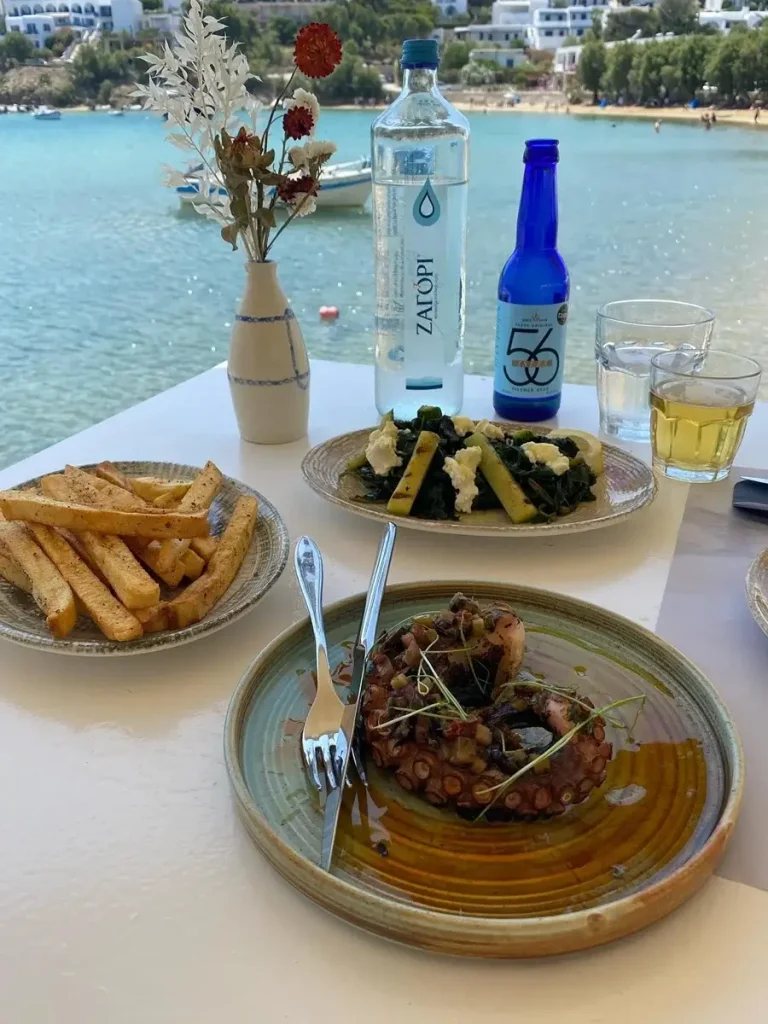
[{"x": 329, "y": 312}]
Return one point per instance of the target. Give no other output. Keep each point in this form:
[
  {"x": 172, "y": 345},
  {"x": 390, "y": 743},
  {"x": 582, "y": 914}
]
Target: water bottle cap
[
  {"x": 420, "y": 53},
  {"x": 541, "y": 151}
]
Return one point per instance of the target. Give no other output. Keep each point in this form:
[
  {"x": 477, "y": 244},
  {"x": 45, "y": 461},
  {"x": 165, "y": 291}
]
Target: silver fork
[{"x": 323, "y": 741}]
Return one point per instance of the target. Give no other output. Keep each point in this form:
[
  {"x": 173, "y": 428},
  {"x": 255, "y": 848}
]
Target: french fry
[
  {"x": 197, "y": 499},
  {"x": 160, "y": 524},
  {"x": 150, "y": 487},
  {"x": 109, "y": 473},
  {"x": 148, "y": 552},
  {"x": 194, "y": 603},
  {"x": 100, "y": 493},
  {"x": 11, "y": 571},
  {"x": 154, "y": 619},
  {"x": 109, "y": 555},
  {"x": 50, "y": 590},
  {"x": 115, "y": 621},
  {"x": 204, "y": 546},
  {"x": 193, "y": 564},
  {"x": 167, "y": 500}
]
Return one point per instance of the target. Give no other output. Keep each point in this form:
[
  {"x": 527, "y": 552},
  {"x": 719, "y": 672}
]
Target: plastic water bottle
[
  {"x": 420, "y": 152},
  {"x": 533, "y": 299}
]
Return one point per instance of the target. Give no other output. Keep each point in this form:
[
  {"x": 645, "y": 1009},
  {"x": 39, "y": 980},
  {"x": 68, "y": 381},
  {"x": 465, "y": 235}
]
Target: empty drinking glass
[
  {"x": 699, "y": 411},
  {"x": 629, "y": 334}
]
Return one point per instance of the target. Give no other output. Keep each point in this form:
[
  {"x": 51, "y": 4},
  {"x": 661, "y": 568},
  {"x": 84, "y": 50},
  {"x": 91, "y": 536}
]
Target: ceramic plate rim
[
  {"x": 377, "y": 512},
  {"x": 74, "y": 647},
  {"x": 683, "y": 879},
  {"x": 758, "y": 566}
]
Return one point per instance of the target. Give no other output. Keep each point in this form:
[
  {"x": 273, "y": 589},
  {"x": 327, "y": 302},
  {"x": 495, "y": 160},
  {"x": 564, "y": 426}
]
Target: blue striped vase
[{"x": 268, "y": 367}]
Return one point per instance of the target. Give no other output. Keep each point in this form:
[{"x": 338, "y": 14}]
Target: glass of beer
[{"x": 700, "y": 404}]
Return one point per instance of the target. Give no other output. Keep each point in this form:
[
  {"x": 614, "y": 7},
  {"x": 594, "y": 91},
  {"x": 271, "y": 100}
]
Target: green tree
[
  {"x": 591, "y": 66},
  {"x": 60, "y": 40},
  {"x": 455, "y": 56},
  {"x": 618, "y": 65},
  {"x": 17, "y": 48},
  {"x": 285, "y": 30},
  {"x": 478, "y": 72},
  {"x": 104, "y": 93},
  {"x": 678, "y": 16},
  {"x": 626, "y": 22},
  {"x": 646, "y": 76},
  {"x": 733, "y": 65},
  {"x": 692, "y": 56},
  {"x": 571, "y": 41}
]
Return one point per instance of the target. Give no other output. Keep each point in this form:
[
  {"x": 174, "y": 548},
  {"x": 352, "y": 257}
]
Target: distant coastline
[{"x": 490, "y": 104}]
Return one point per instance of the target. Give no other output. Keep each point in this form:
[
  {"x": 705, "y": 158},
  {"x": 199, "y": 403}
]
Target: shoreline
[{"x": 684, "y": 115}]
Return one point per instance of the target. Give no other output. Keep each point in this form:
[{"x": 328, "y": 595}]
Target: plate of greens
[{"x": 456, "y": 475}]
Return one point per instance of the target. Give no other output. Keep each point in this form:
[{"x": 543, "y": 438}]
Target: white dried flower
[
  {"x": 298, "y": 156},
  {"x": 305, "y": 205},
  {"x": 302, "y": 98},
  {"x": 321, "y": 151}
]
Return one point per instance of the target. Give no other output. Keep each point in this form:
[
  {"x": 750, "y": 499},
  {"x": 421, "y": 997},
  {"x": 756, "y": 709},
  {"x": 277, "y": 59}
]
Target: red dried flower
[
  {"x": 298, "y": 122},
  {"x": 291, "y": 188},
  {"x": 244, "y": 140},
  {"x": 318, "y": 50}
]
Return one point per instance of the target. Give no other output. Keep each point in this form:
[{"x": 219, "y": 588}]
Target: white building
[
  {"x": 504, "y": 58},
  {"x": 567, "y": 57},
  {"x": 533, "y": 22},
  {"x": 40, "y": 20},
  {"x": 452, "y": 8}
]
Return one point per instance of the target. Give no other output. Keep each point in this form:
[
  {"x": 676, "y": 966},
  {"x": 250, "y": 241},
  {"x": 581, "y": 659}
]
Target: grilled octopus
[{"x": 468, "y": 657}]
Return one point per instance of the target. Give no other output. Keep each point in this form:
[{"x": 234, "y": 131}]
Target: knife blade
[{"x": 366, "y": 638}]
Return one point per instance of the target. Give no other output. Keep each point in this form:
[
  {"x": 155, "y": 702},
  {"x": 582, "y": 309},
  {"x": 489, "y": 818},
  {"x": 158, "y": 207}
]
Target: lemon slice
[{"x": 589, "y": 446}]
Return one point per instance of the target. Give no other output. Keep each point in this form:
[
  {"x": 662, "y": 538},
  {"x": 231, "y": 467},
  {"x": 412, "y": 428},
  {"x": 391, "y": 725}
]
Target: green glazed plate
[{"x": 631, "y": 853}]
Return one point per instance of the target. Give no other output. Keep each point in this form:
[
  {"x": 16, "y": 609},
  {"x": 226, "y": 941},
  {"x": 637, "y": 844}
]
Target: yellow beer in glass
[{"x": 700, "y": 404}]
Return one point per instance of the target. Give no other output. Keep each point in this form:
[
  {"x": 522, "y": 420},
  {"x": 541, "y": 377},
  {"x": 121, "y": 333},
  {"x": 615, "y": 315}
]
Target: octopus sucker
[{"x": 481, "y": 724}]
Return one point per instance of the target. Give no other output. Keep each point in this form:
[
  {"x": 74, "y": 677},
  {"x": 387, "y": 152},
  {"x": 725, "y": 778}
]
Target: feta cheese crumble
[
  {"x": 463, "y": 425},
  {"x": 491, "y": 431},
  {"x": 547, "y": 455},
  {"x": 381, "y": 452},
  {"x": 462, "y": 470}
]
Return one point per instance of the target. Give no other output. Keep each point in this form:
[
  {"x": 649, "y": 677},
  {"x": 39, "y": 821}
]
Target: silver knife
[{"x": 363, "y": 645}]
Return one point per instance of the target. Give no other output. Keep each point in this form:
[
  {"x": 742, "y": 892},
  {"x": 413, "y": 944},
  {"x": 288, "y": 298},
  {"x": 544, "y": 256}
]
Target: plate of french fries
[{"x": 128, "y": 557}]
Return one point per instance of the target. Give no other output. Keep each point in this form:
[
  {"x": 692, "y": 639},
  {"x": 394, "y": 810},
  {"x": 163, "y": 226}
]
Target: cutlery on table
[{"x": 329, "y": 731}]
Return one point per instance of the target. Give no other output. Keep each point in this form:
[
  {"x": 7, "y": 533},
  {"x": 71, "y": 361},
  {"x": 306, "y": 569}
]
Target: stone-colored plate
[
  {"x": 757, "y": 590},
  {"x": 626, "y": 486},
  {"x": 22, "y": 622},
  {"x": 631, "y": 853}
]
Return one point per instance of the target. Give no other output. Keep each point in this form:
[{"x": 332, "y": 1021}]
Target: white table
[{"x": 129, "y": 894}]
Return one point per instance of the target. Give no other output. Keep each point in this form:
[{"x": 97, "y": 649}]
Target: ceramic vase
[{"x": 268, "y": 367}]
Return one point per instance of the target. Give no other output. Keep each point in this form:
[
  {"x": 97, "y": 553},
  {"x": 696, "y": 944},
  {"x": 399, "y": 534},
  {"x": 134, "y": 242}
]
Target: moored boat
[
  {"x": 345, "y": 185},
  {"x": 46, "y": 114}
]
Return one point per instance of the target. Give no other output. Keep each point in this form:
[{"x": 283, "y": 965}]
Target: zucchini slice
[
  {"x": 401, "y": 502},
  {"x": 519, "y": 508}
]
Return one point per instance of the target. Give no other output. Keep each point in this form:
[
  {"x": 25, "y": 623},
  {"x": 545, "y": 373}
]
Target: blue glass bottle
[{"x": 533, "y": 299}]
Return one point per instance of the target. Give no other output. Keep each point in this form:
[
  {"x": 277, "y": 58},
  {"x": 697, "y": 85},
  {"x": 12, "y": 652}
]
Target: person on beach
[{"x": 757, "y": 113}]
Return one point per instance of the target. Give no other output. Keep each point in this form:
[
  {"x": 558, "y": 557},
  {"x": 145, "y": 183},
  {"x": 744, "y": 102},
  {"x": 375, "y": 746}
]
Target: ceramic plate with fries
[{"x": 128, "y": 557}]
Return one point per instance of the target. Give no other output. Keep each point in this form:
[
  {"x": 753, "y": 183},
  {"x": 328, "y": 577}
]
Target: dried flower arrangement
[{"x": 200, "y": 86}]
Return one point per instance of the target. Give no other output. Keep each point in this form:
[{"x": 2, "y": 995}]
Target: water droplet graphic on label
[{"x": 426, "y": 208}]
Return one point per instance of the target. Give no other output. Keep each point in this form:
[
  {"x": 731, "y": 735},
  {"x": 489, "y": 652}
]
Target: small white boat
[
  {"x": 345, "y": 185},
  {"x": 46, "y": 114},
  {"x": 117, "y": 113}
]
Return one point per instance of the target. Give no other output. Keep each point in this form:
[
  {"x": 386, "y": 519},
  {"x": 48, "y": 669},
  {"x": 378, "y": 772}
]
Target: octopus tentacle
[{"x": 468, "y": 762}]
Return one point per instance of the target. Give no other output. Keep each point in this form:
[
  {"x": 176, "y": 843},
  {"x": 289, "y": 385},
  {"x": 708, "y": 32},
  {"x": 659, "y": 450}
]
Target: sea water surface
[{"x": 108, "y": 294}]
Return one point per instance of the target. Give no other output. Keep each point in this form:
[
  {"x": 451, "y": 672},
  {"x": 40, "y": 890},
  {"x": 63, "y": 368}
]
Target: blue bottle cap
[
  {"x": 420, "y": 53},
  {"x": 541, "y": 151}
]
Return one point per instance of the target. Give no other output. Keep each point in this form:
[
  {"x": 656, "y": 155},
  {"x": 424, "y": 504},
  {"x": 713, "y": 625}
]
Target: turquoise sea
[{"x": 108, "y": 294}]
